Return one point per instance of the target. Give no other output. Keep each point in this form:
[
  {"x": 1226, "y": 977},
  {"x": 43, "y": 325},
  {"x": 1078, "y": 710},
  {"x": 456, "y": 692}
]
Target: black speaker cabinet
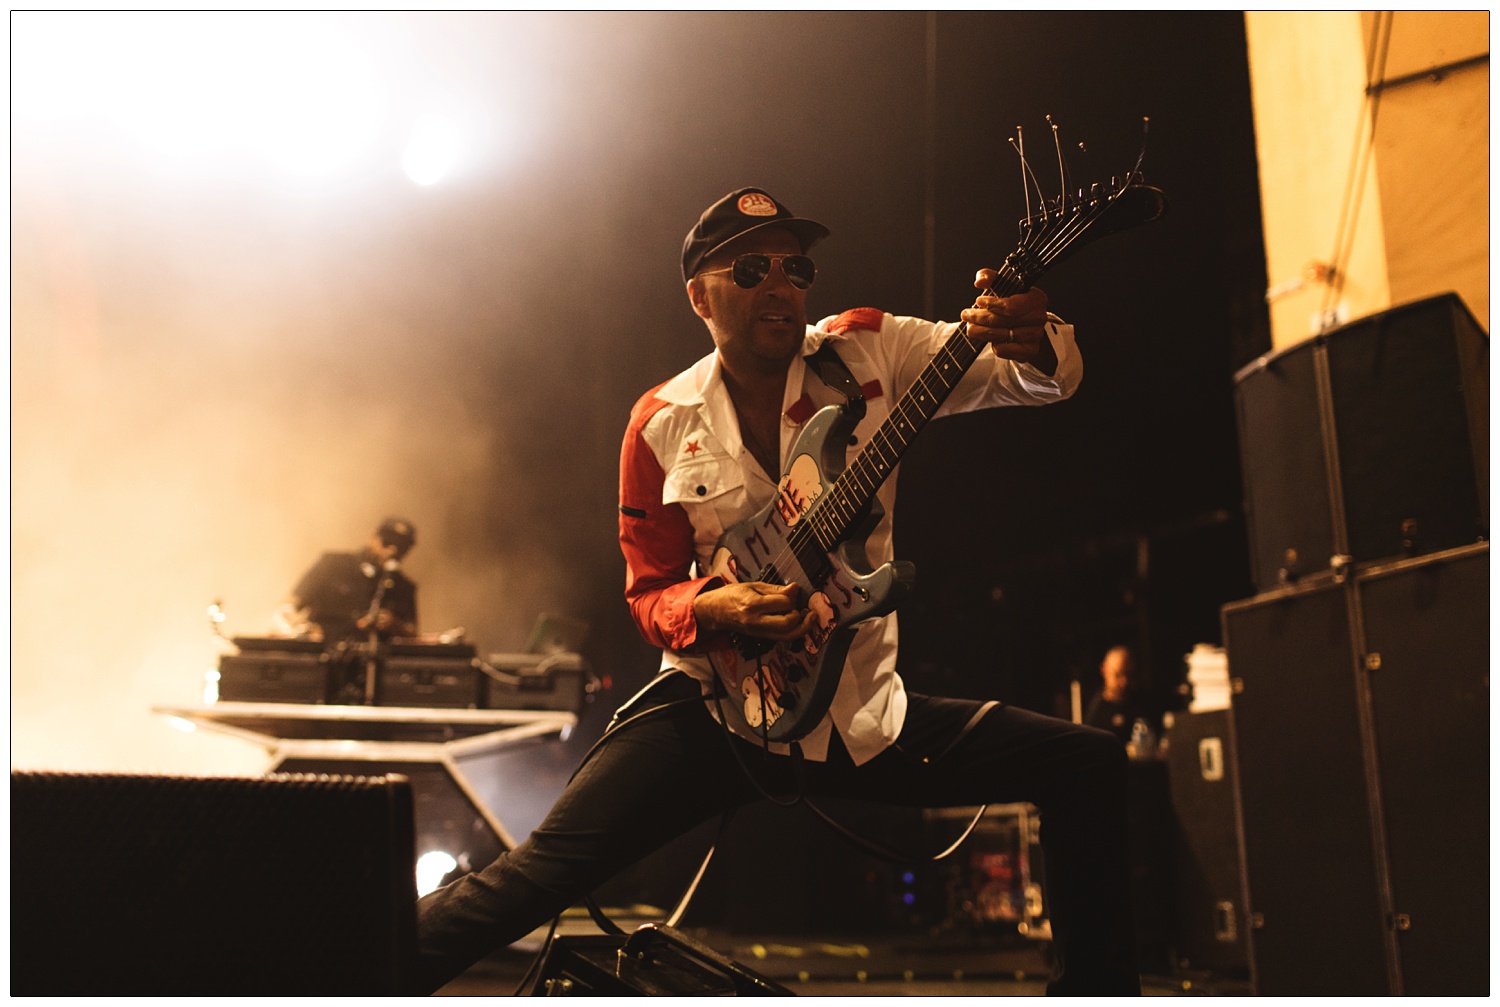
[
  {"x": 1310, "y": 863},
  {"x": 1289, "y": 506},
  {"x": 1369, "y": 442},
  {"x": 448, "y": 817},
  {"x": 180, "y": 886},
  {"x": 1361, "y": 737},
  {"x": 655, "y": 960},
  {"x": 1210, "y": 911},
  {"x": 1426, "y": 632}
]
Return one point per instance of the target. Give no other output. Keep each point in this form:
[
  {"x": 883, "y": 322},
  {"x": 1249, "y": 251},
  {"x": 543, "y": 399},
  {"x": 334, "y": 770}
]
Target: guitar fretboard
[
  {"x": 845, "y": 502},
  {"x": 1043, "y": 242}
]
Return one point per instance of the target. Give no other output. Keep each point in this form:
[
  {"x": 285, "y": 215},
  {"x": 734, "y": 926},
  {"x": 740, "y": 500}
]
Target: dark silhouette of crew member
[{"x": 347, "y": 595}]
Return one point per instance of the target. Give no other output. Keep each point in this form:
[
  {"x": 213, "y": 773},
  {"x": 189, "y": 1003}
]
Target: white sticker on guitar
[
  {"x": 760, "y": 706},
  {"x": 799, "y": 488}
]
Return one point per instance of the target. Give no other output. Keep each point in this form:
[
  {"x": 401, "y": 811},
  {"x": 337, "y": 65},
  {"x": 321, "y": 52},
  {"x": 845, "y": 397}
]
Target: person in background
[
  {"x": 347, "y": 595},
  {"x": 1116, "y": 707}
]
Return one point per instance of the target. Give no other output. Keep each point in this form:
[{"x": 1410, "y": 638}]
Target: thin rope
[{"x": 1359, "y": 165}]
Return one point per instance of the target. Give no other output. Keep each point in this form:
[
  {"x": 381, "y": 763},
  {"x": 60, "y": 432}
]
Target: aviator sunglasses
[{"x": 751, "y": 269}]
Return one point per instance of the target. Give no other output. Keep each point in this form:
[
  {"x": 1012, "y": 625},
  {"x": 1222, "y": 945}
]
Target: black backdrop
[
  {"x": 1041, "y": 537},
  {"x": 1025, "y": 524}
]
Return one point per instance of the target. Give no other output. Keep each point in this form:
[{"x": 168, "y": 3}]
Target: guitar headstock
[{"x": 1056, "y": 228}]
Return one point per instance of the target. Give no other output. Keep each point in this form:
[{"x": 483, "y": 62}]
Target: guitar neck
[
  {"x": 851, "y": 493},
  {"x": 1061, "y": 228}
]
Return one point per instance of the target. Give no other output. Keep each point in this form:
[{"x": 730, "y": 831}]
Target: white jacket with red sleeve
[{"x": 685, "y": 477}]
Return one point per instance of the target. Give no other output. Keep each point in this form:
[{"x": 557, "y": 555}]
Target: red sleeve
[
  {"x": 657, "y": 540},
  {"x": 858, "y": 318}
]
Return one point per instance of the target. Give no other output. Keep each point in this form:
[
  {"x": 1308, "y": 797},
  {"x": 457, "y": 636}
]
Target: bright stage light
[
  {"x": 316, "y": 107},
  {"x": 432, "y": 151},
  {"x": 289, "y": 89},
  {"x": 47, "y": 54},
  {"x": 431, "y": 869},
  {"x": 210, "y": 686}
]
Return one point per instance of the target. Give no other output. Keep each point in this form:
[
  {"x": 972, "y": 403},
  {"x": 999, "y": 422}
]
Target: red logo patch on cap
[{"x": 757, "y": 204}]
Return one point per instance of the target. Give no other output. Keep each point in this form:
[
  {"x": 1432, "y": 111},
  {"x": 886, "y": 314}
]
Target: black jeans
[{"x": 661, "y": 774}]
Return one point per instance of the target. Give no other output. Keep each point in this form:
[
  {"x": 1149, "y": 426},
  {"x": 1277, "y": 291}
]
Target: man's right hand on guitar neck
[
  {"x": 1015, "y": 326},
  {"x": 755, "y": 608}
]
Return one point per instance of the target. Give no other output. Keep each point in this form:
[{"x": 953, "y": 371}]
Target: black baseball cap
[
  {"x": 740, "y": 212},
  {"x": 398, "y": 532}
]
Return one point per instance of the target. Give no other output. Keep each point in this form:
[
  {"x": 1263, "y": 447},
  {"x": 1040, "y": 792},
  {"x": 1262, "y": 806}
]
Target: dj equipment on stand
[
  {"x": 429, "y": 710},
  {"x": 430, "y": 675},
  {"x": 408, "y": 673},
  {"x": 274, "y": 670},
  {"x": 537, "y": 682}
]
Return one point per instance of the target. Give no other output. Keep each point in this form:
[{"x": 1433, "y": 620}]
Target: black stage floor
[{"x": 849, "y": 965}]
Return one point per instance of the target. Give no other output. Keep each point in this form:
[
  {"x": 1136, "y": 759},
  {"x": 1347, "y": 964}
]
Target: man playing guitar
[{"x": 703, "y": 454}]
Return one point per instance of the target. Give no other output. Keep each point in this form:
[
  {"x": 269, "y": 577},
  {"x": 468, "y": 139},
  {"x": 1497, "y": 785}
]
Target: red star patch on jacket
[{"x": 692, "y": 448}]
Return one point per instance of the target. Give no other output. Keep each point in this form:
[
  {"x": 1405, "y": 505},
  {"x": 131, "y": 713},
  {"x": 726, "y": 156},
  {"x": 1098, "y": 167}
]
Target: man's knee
[
  {"x": 1103, "y": 754},
  {"x": 1095, "y": 764}
]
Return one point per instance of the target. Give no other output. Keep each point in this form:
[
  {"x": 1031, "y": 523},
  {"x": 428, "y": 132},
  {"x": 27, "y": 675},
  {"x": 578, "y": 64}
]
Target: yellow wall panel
[
  {"x": 1421, "y": 40},
  {"x": 1411, "y": 158},
  {"x": 1307, "y": 72},
  {"x": 1432, "y": 143}
]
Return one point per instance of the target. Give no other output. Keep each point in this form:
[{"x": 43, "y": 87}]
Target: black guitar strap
[{"x": 830, "y": 367}]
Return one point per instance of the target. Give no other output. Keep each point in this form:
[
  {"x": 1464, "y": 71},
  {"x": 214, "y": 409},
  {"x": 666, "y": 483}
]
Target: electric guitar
[{"x": 812, "y": 533}]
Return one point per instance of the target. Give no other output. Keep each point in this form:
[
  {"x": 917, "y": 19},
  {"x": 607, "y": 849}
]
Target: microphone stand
[{"x": 372, "y": 658}]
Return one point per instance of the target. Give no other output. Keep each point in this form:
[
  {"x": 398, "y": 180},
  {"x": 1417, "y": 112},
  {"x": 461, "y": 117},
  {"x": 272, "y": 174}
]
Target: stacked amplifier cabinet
[
  {"x": 1361, "y": 731},
  {"x": 1368, "y": 442},
  {"x": 1359, "y": 720}
]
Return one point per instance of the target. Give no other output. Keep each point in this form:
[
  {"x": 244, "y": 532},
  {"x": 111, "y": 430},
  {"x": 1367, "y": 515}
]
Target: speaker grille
[{"x": 164, "y": 885}]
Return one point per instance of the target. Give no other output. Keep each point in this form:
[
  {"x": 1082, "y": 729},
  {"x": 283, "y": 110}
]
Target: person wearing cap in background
[
  {"x": 703, "y": 452},
  {"x": 332, "y": 601}
]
